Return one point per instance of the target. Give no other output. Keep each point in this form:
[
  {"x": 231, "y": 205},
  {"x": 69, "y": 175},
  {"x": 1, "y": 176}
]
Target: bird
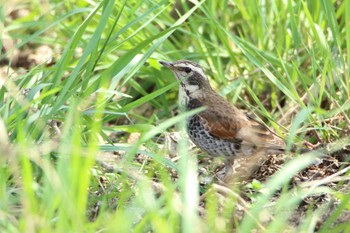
[{"x": 221, "y": 129}]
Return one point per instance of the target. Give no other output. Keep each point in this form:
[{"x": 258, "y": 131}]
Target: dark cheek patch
[{"x": 192, "y": 80}]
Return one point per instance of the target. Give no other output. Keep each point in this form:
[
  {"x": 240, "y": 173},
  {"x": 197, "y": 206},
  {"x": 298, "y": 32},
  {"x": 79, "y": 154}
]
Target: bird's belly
[{"x": 212, "y": 145}]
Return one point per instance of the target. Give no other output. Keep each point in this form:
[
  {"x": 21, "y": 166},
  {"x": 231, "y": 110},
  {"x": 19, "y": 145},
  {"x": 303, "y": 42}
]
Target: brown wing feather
[
  {"x": 220, "y": 125},
  {"x": 258, "y": 134},
  {"x": 227, "y": 122},
  {"x": 241, "y": 128}
]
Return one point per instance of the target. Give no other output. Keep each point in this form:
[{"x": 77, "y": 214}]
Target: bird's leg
[
  {"x": 226, "y": 171},
  {"x": 230, "y": 170},
  {"x": 229, "y": 167},
  {"x": 243, "y": 167}
]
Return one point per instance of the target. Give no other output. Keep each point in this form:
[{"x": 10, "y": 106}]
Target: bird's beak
[{"x": 167, "y": 64}]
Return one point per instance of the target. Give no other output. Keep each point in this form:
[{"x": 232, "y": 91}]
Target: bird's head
[{"x": 191, "y": 76}]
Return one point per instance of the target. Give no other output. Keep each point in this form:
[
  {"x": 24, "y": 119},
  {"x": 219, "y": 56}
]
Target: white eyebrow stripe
[
  {"x": 198, "y": 70},
  {"x": 194, "y": 68}
]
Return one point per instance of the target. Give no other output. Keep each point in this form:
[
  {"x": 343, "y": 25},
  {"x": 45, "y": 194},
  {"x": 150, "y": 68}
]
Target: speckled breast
[{"x": 204, "y": 140}]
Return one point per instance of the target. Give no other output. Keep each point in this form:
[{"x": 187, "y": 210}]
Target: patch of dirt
[{"x": 329, "y": 171}]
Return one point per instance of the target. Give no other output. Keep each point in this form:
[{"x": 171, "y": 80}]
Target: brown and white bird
[{"x": 221, "y": 129}]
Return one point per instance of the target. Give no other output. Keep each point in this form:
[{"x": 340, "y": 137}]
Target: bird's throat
[{"x": 183, "y": 98}]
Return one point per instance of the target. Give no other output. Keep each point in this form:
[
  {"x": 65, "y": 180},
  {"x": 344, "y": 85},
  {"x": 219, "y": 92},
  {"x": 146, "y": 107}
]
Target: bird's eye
[{"x": 187, "y": 69}]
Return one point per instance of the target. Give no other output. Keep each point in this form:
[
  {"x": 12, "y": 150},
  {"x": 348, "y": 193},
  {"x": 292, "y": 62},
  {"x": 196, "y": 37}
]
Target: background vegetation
[{"x": 85, "y": 109}]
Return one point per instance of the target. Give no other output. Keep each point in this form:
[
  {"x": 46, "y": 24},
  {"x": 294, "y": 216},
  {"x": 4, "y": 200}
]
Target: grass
[{"x": 285, "y": 61}]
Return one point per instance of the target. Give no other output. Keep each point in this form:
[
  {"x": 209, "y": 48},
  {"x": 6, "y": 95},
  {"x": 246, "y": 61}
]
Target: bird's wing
[
  {"x": 220, "y": 124},
  {"x": 236, "y": 126},
  {"x": 258, "y": 134}
]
